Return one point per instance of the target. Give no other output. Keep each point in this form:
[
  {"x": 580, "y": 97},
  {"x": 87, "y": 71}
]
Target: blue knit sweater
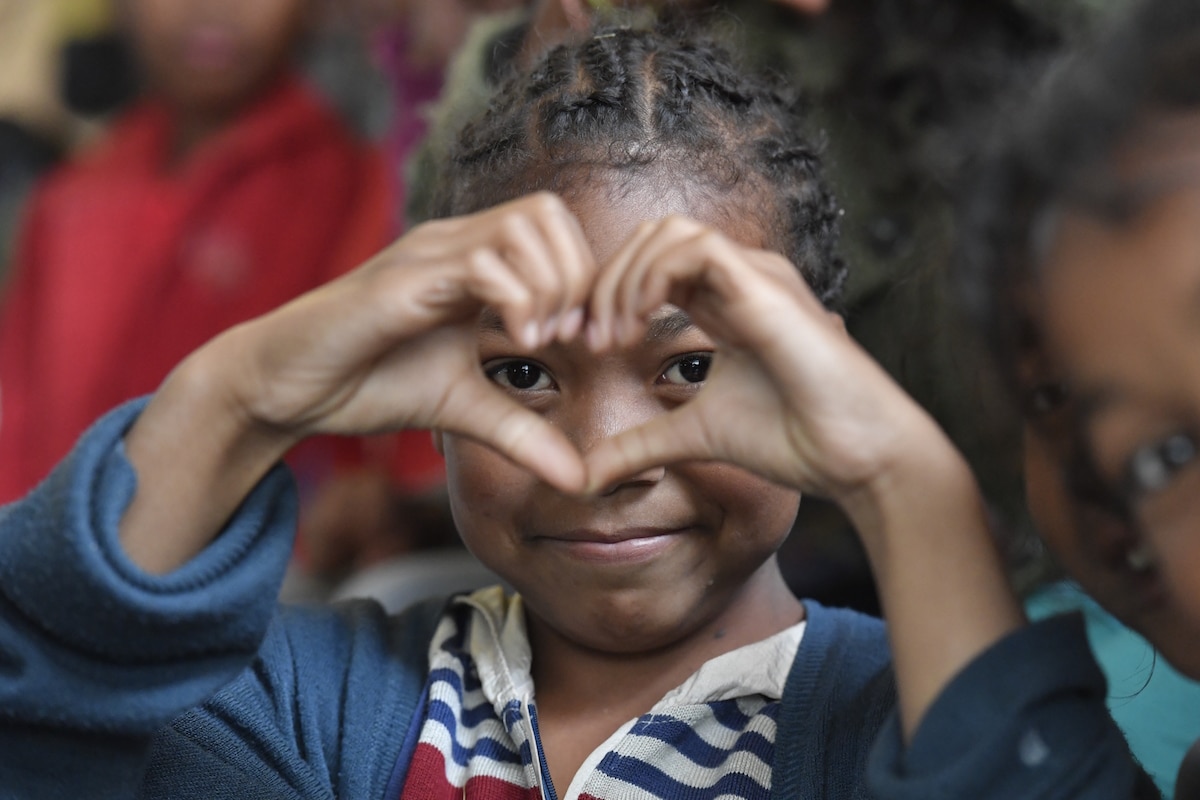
[{"x": 115, "y": 683}]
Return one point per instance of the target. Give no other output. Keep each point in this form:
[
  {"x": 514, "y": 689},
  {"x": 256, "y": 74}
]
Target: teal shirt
[{"x": 1157, "y": 708}]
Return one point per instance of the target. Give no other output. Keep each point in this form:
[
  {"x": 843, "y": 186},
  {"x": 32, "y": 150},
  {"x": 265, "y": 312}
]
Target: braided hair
[{"x": 624, "y": 101}]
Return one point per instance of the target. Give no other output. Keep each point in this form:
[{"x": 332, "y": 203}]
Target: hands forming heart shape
[{"x": 394, "y": 344}]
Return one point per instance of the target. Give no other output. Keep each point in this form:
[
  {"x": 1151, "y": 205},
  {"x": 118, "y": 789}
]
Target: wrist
[
  {"x": 941, "y": 581},
  {"x": 197, "y": 454},
  {"x": 922, "y": 478}
]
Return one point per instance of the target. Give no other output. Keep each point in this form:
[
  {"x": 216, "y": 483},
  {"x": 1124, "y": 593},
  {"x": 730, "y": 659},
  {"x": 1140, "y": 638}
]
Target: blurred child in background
[
  {"x": 226, "y": 189},
  {"x": 1080, "y": 261}
]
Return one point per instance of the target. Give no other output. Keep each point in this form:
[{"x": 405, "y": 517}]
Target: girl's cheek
[{"x": 1179, "y": 558}]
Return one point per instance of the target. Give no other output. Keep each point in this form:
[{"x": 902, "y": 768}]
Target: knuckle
[
  {"x": 545, "y": 202},
  {"x": 680, "y": 225},
  {"x": 479, "y": 260},
  {"x": 513, "y": 226}
]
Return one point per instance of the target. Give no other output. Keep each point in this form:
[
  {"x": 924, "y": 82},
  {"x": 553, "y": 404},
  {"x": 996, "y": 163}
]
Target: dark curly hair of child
[
  {"x": 628, "y": 102},
  {"x": 1054, "y": 151}
]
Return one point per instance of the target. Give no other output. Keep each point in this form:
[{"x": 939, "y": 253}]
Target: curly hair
[
  {"x": 625, "y": 101},
  {"x": 1053, "y": 152}
]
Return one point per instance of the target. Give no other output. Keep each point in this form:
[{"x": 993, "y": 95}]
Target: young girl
[{"x": 653, "y": 650}]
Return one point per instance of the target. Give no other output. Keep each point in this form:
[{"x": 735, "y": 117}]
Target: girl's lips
[
  {"x": 1119, "y": 550},
  {"x": 610, "y": 536},
  {"x": 624, "y": 546},
  {"x": 1137, "y": 567}
]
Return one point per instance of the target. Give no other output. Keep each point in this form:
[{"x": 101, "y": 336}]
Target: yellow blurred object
[
  {"x": 32, "y": 33},
  {"x": 81, "y": 19},
  {"x": 29, "y": 66}
]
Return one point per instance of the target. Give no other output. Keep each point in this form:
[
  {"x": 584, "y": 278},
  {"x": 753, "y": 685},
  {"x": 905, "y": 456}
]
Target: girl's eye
[
  {"x": 1152, "y": 466},
  {"x": 523, "y": 376},
  {"x": 692, "y": 368}
]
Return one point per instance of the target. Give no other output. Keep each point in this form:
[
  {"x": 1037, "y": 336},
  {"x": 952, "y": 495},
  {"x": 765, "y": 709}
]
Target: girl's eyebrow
[
  {"x": 490, "y": 322},
  {"x": 663, "y": 327}
]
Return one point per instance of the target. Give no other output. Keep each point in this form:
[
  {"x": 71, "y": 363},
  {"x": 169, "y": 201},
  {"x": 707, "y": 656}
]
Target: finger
[
  {"x": 736, "y": 294},
  {"x": 493, "y": 282},
  {"x": 633, "y": 302},
  {"x": 523, "y": 246},
  {"x": 603, "y": 305},
  {"x": 572, "y": 256},
  {"x": 577, "y": 14},
  {"x": 676, "y": 436},
  {"x": 523, "y": 436}
]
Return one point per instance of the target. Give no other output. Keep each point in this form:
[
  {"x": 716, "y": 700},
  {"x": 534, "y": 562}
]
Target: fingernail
[
  {"x": 571, "y": 324},
  {"x": 529, "y": 334},
  {"x": 549, "y": 330}
]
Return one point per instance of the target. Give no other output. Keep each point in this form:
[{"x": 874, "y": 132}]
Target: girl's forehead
[{"x": 610, "y": 211}]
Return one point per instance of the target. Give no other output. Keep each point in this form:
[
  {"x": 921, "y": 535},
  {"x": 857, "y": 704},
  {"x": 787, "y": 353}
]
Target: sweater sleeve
[
  {"x": 97, "y": 655},
  {"x": 1026, "y": 719}
]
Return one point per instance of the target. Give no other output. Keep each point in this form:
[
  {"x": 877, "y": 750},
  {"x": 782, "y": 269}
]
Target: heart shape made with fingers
[{"x": 772, "y": 392}]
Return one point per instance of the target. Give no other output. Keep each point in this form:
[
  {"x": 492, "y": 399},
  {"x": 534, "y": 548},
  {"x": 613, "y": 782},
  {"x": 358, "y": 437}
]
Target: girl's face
[
  {"x": 1121, "y": 308},
  {"x": 1096, "y": 546},
  {"x": 664, "y": 555}
]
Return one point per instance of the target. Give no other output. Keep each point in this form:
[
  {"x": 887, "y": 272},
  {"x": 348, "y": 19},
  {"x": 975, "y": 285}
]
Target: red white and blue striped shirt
[{"x": 711, "y": 737}]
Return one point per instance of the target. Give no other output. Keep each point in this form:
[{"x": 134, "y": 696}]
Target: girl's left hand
[{"x": 789, "y": 395}]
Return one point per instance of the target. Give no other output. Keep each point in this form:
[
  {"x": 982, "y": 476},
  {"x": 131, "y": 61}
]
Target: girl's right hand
[
  {"x": 393, "y": 344},
  {"x": 390, "y": 345}
]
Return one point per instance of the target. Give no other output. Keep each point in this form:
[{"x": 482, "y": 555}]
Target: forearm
[
  {"x": 1026, "y": 718},
  {"x": 197, "y": 456},
  {"x": 102, "y": 645},
  {"x": 940, "y": 578}
]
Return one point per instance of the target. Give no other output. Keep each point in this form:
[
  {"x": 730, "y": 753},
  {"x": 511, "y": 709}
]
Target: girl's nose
[
  {"x": 607, "y": 409},
  {"x": 615, "y": 415},
  {"x": 643, "y": 479}
]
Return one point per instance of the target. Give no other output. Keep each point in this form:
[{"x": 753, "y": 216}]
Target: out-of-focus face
[
  {"x": 209, "y": 56},
  {"x": 1121, "y": 308},
  {"x": 662, "y": 554},
  {"x": 1091, "y": 539}
]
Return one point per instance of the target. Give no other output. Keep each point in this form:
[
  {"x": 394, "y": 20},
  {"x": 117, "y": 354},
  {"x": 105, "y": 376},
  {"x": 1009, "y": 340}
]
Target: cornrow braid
[{"x": 624, "y": 100}]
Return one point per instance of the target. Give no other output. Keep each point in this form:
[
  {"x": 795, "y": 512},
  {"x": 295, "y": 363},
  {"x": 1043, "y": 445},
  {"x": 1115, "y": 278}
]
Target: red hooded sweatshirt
[{"x": 125, "y": 266}]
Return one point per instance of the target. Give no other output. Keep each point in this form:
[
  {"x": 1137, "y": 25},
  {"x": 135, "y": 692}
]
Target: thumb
[
  {"x": 524, "y": 437},
  {"x": 670, "y": 438}
]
